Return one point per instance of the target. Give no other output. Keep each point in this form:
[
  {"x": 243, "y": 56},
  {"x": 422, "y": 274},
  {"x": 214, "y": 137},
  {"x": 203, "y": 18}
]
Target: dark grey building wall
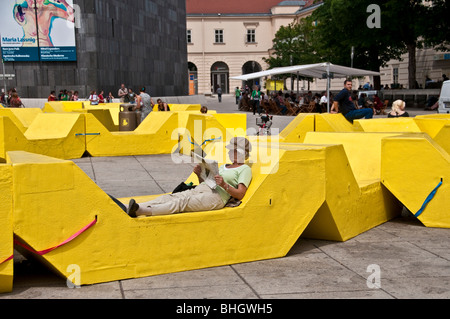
[{"x": 136, "y": 42}]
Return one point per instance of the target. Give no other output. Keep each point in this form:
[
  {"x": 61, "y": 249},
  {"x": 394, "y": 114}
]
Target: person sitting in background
[
  {"x": 93, "y": 98},
  {"x": 279, "y": 100},
  {"x": 378, "y": 105},
  {"x": 398, "y": 110},
  {"x": 204, "y": 110},
  {"x": 110, "y": 98},
  {"x": 101, "y": 99},
  {"x": 15, "y": 101},
  {"x": 52, "y": 96},
  {"x": 131, "y": 96},
  {"x": 344, "y": 104},
  {"x": 162, "y": 106},
  {"x": 75, "y": 96}
]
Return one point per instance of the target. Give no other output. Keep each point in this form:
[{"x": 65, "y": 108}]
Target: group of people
[
  {"x": 255, "y": 98},
  {"x": 73, "y": 96},
  {"x": 353, "y": 108},
  {"x": 12, "y": 99}
]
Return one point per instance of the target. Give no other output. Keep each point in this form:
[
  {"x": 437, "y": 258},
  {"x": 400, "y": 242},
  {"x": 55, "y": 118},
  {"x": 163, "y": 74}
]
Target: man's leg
[{"x": 359, "y": 114}]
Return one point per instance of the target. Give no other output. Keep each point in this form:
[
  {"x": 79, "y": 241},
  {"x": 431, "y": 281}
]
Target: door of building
[
  {"x": 220, "y": 80},
  {"x": 220, "y": 77}
]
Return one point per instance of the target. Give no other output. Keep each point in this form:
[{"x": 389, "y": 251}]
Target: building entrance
[{"x": 220, "y": 77}]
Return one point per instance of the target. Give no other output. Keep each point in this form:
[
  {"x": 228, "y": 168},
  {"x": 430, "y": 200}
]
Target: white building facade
[{"x": 230, "y": 40}]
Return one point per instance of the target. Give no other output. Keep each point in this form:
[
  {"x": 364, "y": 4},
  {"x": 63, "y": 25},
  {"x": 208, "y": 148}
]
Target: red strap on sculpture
[
  {"x": 7, "y": 259},
  {"x": 46, "y": 251}
]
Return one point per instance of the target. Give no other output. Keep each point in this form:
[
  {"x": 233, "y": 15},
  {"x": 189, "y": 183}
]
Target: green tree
[
  {"x": 293, "y": 45},
  {"x": 405, "y": 26},
  {"x": 343, "y": 24}
]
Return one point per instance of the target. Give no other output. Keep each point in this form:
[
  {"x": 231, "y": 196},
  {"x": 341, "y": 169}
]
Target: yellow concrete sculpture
[
  {"x": 413, "y": 167},
  {"x": 49, "y": 134},
  {"x": 356, "y": 201},
  {"x": 204, "y": 130},
  {"x": 332, "y": 123},
  {"x": 6, "y": 226},
  {"x": 296, "y": 131},
  {"x": 21, "y": 117},
  {"x": 432, "y": 125},
  {"x": 153, "y": 136},
  {"x": 60, "y": 200},
  {"x": 387, "y": 125}
]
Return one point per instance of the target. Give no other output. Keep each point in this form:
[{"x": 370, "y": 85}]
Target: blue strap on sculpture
[
  {"x": 429, "y": 199},
  {"x": 204, "y": 142}
]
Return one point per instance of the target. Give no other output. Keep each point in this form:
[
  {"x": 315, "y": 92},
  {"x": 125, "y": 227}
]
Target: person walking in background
[
  {"x": 237, "y": 94},
  {"x": 219, "y": 94}
]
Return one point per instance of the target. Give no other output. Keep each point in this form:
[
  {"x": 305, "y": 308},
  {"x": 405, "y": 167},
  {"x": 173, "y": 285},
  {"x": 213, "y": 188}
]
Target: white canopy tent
[{"x": 319, "y": 70}]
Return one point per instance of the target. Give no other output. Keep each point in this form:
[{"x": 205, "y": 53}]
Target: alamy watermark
[
  {"x": 210, "y": 142},
  {"x": 74, "y": 279},
  {"x": 374, "y": 19},
  {"x": 374, "y": 279}
]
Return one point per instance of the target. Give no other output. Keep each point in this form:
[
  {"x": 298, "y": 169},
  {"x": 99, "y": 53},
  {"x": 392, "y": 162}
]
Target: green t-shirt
[{"x": 234, "y": 177}]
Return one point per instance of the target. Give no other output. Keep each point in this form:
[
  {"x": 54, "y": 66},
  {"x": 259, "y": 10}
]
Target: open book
[{"x": 210, "y": 169}]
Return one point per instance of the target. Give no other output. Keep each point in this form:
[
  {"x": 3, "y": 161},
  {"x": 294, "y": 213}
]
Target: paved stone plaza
[{"x": 399, "y": 259}]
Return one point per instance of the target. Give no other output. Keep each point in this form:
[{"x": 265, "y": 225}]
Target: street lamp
[{"x": 353, "y": 55}]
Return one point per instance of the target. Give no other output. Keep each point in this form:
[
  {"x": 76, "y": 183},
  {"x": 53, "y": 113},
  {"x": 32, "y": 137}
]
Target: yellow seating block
[
  {"x": 333, "y": 123},
  {"x": 49, "y": 134},
  {"x": 6, "y": 226},
  {"x": 356, "y": 201},
  {"x": 412, "y": 167},
  {"x": 387, "y": 125},
  {"x": 443, "y": 138},
  {"x": 21, "y": 117},
  {"x": 153, "y": 136},
  {"x": 60, "y": 199},
  {"x": 296, "y": 131},
  {"x": 180, "y": 107}
]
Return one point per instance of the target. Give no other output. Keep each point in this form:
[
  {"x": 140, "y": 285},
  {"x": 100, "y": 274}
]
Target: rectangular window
[
  {"x": 395, "y": 75},
  {"x": 189, "y": 36},
  {"x": 218, "y": 36},
  {"x": 251, "y": 36}
]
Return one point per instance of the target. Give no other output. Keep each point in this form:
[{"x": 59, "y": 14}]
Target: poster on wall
[{"x": 37, "y": 30}]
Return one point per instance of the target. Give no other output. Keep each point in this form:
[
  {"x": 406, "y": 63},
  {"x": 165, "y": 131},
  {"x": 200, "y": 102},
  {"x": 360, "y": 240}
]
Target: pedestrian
[
  {"x": 256, "y": 100},
  {"x": 237, "y": 93},
  {"x": 219, "y": 94}
]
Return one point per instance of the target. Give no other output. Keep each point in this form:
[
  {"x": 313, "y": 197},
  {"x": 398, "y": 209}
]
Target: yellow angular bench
[
  {"x": 21, "y": 117},
  {"x": 60, "y": 200},
  {"x": 153, "y": 136},
  {"x": 162, "y": 133},
  {"x": 49, "y": 134},
  {"x": 6, "y": 226},
  {"x": 356, "y": 201},
  {"x": 413, "y": 168}
]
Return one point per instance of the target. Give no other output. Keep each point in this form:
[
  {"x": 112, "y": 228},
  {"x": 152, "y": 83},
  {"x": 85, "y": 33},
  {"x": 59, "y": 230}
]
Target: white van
[{"x": 444, "y": 100}]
